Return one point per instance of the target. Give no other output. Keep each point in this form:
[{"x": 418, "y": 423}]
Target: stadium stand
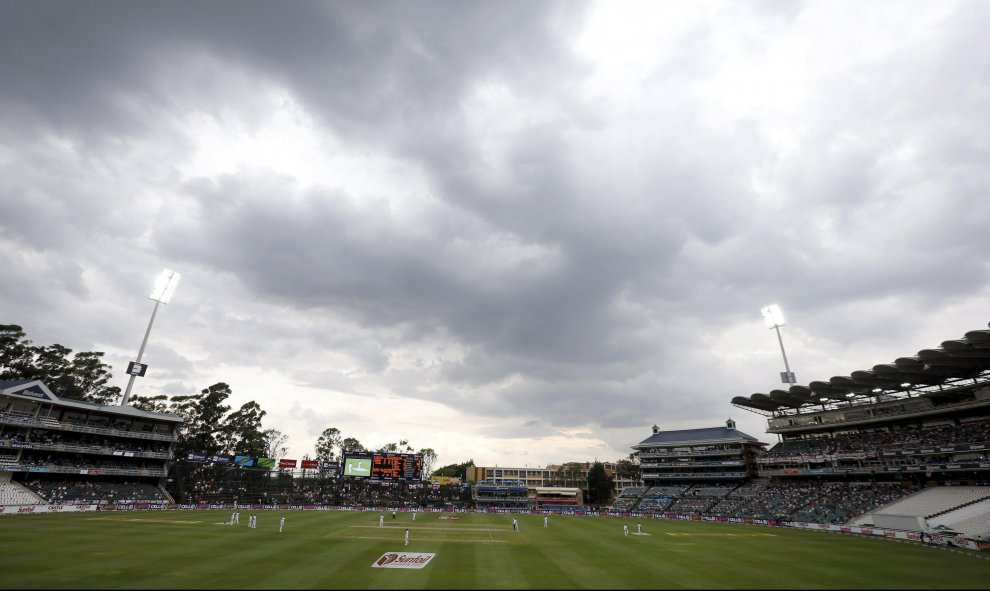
[{"x": 82, "y": 451}]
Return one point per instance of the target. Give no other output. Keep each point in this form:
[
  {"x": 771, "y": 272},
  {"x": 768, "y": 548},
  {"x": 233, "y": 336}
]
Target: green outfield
[{"x": 336, "y": 550}]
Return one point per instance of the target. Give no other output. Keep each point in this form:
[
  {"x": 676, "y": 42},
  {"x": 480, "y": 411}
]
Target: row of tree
[{"x": 208, "y": 426}]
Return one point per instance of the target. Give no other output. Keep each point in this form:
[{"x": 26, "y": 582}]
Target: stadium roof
[
  {"x": 954, "y": 360},
  {"x": 696, "y": 437},
  {"x": 37, "y": 391}
]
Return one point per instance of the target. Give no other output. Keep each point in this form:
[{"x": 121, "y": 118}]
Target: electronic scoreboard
[{"x": 383, "y": 466}]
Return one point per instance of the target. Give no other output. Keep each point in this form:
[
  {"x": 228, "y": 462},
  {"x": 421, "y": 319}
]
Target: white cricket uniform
[
  {"x": 546, "y": 521},
  {"x": 407, "y": 537},
  {"x": 381, "y": 521},
  {"x": 281, "y": 525},
  {"x": 625, "y": 530}
]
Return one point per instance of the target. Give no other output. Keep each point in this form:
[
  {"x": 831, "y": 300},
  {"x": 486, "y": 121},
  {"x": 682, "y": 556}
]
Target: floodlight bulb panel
[
  {"x": 773, "y": 316},
  {"x": 165, "y": 286}
]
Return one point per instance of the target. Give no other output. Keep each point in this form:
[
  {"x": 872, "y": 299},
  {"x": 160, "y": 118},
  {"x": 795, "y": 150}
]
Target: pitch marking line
[
  {"x": 139, "y": 520},
  {"x": 427, "y": 527},
  {"x": 392, "y": 539},
  {"x": 754, "y": 535}
]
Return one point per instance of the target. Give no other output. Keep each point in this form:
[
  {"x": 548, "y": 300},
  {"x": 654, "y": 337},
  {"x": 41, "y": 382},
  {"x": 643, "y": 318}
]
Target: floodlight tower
[
  {"x": 775, "y": 319},
  {"x": 165, "y": 286}
]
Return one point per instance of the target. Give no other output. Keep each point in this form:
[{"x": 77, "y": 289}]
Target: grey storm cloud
[{"x": 566, "y": 244}]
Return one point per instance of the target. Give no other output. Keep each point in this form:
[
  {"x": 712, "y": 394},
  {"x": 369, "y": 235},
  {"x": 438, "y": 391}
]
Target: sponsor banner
[
  {"x": 224, "y": 460},
  {"x": 196, "y": 456},
  {"x": 309, "y": 464},
  {"x": 403, "y": 560},
  {"x": 22, "y": 444},
  {"x": 264, "y": 462},
  {"x": 287, "y": 463},
  {"x": 33, "y": 391},
  {"x": 245, "y": 461}
]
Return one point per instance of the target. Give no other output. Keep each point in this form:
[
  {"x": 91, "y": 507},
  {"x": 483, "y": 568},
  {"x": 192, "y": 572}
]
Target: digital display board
[
  {"x": 359, "y": 466},
  {"x": 383, "y": 466}
]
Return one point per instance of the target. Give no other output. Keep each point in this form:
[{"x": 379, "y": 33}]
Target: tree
[
  {"x": 151, "y": 403},
  {"x": 202, "y": 413},
  {"x": 350, "y": 444},
  {"x": 241, "y": 432},
  {"x": 275, "y": 442},
  {"x": 82, "y": 376},
  {"x": 627, "y": 469},
  {"x": 600, "y": 485},
  {"x": 401, "y": 447},
  {"x": 454, "y": 470},
  {"x": 87, "y": 379},
  {"x": 429, "y": 459},
  {"x": 327, "y": 445},
  {"x": 16, "y": 354}
]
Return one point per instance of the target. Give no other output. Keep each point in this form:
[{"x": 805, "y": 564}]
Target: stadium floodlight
[
  {"x": 775, "y": 319},
  {"x": 162, "y": 293},
  {"x": 165, "y": 285}
]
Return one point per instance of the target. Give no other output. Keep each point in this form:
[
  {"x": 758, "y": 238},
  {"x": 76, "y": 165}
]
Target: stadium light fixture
[
  {"x": 775, "y": 319},
  {"x": 162, "y": 293}
]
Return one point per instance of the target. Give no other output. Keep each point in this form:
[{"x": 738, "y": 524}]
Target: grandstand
[
  {"x": 919, "y": 426},
  {"x": 712, "y": 454},
  {"x": 511, "y": 494},
  {"x": 67, "y": 451},
  {"x": 906, "y": 447},
  {"x": 557, "y": 497}
]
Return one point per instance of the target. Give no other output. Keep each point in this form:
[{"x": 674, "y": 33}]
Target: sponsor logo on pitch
[{"x": 403, "y": 560}]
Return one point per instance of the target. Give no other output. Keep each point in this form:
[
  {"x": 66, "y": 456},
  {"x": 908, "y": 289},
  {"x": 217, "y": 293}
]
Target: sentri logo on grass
[{"x": 404, "y": 560}]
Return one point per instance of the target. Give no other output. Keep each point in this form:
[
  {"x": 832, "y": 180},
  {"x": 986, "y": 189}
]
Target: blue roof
[{"x": 710, "y": 434}]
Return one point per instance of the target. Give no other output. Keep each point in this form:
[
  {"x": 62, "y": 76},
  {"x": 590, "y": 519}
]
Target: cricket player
[
  {"x": 281, "y": 525},
  {"x": 407, "y": 536},
  {"x": 414, "y": 515},
  {"x": 639, "y": 529},
  {"x": 515, "y": 524},
  {"x": 546, "y": 521},
  {"x": 625, "y": 529},
  {"x": 381, "y": 520}
]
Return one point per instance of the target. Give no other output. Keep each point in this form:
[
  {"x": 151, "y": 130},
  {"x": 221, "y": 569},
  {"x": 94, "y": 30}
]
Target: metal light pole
[
  {"x": 775, "y": 319},
  {"x": 165, "y": 286}
]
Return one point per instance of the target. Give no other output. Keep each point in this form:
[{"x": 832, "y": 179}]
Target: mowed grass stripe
[{"x": 328, "y": 550}]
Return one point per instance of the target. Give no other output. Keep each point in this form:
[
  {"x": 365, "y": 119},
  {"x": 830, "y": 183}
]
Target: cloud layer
[{"x": 517, "y": 232}]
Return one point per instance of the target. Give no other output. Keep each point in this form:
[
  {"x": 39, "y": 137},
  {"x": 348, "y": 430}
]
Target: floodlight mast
[
  {"x": 775, "y": 319},
  {"x": 165, "y": 286}
]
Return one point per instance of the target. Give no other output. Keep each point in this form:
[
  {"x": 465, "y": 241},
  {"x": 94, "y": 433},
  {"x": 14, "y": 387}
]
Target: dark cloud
[{"x": 577, "y": 243}]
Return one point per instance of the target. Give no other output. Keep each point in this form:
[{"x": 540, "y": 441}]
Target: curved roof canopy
[{"x": 955, "y": 359}]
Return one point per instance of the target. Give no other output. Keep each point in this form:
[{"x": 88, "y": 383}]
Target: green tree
[
  {"x": 429, "y": 459},
  {"x": 87, "y": 377},
  {"x": 82, "y": 376},
  {"x": 350, "y": 444},
  {"x": 627, "y": 469},
  {"x": 327, "y": 445},
  {"x": 242, "y": 432},
  {"x": 16, "y": 354},
  {"x": 159, "y": 403},
  {"x": 453, "y": 470},
  {"x": 202, "y": 413},
  {"x": 275, "y": 442},
  {"x": 600, "y": 485}
]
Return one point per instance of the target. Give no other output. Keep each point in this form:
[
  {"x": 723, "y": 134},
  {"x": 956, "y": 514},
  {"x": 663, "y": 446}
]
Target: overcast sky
[{"x": 516, "y": 232}]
